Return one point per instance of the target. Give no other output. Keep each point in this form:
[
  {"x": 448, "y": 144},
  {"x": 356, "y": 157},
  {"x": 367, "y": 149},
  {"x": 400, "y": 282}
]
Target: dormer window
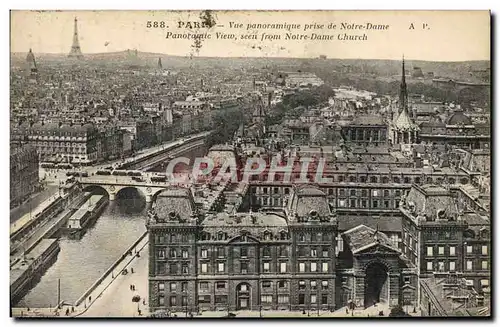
[
  {"x": 283, "y": 235},
  {"x": 313, "y": 214},
  {"x": 485, "y": 233},
  {"x": 267, "y": 235},
  {"x": 221, "y": 236}
]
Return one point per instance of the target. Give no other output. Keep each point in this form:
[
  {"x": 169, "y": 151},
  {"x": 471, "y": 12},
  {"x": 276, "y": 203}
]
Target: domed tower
[{"x": 32, "y": 70}]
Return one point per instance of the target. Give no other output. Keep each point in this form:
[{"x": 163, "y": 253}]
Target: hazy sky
[{"x": 449, "y": 35}]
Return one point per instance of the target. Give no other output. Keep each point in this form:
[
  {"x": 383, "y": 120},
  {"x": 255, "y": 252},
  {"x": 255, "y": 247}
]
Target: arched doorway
[
  {"x": 243, "y": 296},
  {"x": 376, "y": 284}
]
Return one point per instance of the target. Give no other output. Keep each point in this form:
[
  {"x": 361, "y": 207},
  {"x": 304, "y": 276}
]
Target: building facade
[{"x": 23, "y": 173}]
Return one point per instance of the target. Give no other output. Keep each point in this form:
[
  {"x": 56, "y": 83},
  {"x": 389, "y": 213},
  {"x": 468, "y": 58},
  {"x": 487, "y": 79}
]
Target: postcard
[{"x": 264, "y": 164}]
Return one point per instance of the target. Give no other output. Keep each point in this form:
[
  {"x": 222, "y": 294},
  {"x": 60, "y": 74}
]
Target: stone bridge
[{"x": 113, "y": 186}]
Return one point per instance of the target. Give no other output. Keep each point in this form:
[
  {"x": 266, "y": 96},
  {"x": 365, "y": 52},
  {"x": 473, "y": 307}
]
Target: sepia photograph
[{"x": 218, "y": 164}]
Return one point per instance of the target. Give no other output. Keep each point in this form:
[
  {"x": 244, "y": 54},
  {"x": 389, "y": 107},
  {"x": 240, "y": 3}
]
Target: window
[
  {"x": 266, "y": 299},
  {"x": 161, "y": 287},
  {"x": 407, "y": 279},
  {"x": 161, "y": 300},
  {"x": 220, "y": 267},
  {"x": 185, "y": 268},
  {"x": 485, "y": 282},
  {"x": 302, "y": 285},
  {"x": 429, "y": 251},
  {"x": 313, "y": 267},
  {"x": 484, "y": 265},
  {"x": 302, "y": 267},
  {"x": 203, "y": 286},
  {"x": 243, "y": 252},
  {"x": 267, "y": 284},
  {"x": 266, "y": 252},
  {"x": 220, "y": 285},
  {"x": 313, "y": 284},
  {"x": 441, "y": 266},
  {"x": 302, "y": 299},
  {"x": 221, "y": 252},
  {"x": 161, "y": 254},
  {"x": 283, "y": 267},
  {"x": 484, "y": 249},
  {"x": 244, "y": 267},
  {"x": 325, "y": 252},
  {"x": 314, "y": 253},
  {"x": 429, "y": 266},
  {"x": 340, "y": 244},
  {"x": 264, "y": 189},
  {"x": 441, "y": 250},
  {"x": 313, "y": 298},
  {"x": 452, "y": 265},
  {"x": 302, "y": 238},
  {"x": 173, "y": 238},
  {"x": 204, "y": 267},
  {"x": 324, "y": 284},
  {"x": 173, "y": 269},
  {"x": 469, "y": 265},
  {"x": 204, "y": 253},
  {"x": 302, "y": 251},
  {"x": 173, "y": 253},
  {"x": 324, "y": 299},
  {"x": 173, "y": 301},
  {"x": 185, "y": 253},
  {"x": 282, "y": 284},
  {"x": 469, "y": 249},
  {"x": 173, "y": 287},
  {"x": 184, "y": 286},
  {"x": 221, "y": 299},
  {"x": 266, "y": 267},
  {"x": 324, "y": 267},
  {"x": 353, "y": 203},
  {"x": 283, "y": 299},
  {"x": 283, "y": 251},
  {"x": 452, "y": 250}
]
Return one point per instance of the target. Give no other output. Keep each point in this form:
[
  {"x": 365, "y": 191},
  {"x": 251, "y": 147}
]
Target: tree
[{"x": 226, "y": 123}]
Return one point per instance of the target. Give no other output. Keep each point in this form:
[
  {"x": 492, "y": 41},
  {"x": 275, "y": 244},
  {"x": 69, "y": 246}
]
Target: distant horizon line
[{"x": 252, "y": 57}]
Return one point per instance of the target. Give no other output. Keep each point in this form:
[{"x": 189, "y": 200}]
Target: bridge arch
[
  {"x": 130, "y": 190},
  {"x": 96, "y": 189}
]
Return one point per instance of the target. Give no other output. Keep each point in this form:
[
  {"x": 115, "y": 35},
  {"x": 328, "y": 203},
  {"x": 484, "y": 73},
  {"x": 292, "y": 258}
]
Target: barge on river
[
  {"x": 26, "y": 272},
  {"x": 90, "y": 210}
]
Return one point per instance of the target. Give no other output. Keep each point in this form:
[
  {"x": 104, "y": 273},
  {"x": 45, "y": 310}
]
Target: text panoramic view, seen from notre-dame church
[{"x": 265, "y": 164}]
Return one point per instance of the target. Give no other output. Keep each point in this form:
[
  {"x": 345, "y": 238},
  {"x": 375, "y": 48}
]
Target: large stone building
[
  {"x": 245, "y": 261},
  {"x": 58, "y": 142},
  {"x": 302, "y": 254}
]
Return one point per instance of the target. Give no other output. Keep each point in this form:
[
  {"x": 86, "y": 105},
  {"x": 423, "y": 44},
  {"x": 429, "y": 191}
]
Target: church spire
[{"x": 403, "y": 90}]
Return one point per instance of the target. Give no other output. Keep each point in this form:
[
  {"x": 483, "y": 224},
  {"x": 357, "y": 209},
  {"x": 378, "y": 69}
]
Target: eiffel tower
[{"x": 75, "y": 51}]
